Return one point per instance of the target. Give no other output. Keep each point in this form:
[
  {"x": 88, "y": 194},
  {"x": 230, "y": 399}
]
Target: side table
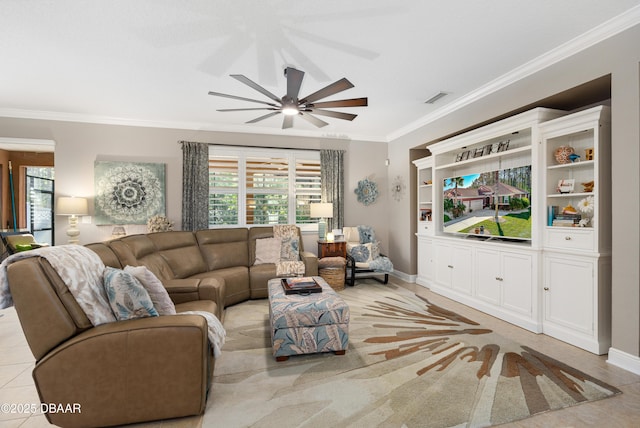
[{"x": 332, "y": 248}]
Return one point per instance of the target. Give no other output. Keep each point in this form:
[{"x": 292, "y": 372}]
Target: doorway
[{"x": 39, "y": 203}]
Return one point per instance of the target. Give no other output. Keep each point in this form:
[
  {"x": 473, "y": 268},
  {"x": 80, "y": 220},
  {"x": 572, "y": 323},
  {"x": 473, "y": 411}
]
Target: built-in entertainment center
[{"x": 514, "y": 219}]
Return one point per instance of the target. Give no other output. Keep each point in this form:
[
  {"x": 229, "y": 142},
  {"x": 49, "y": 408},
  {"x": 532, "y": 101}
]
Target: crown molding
[{"x": 592, "y": 37}]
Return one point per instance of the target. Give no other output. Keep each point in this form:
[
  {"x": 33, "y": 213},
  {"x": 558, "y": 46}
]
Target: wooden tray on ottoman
[{"x": 304, "y": 285}]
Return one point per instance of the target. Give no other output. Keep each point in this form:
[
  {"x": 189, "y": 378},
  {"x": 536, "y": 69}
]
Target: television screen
[{"x": 489, "y": 205}]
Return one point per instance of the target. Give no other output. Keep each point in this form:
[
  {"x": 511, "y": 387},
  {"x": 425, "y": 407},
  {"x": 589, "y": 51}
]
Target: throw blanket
[{"x": 82, "y": 270}]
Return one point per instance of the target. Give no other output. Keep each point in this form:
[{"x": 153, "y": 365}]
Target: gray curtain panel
[
  {"x": 195, "y": 186},
  {"x": 332, "y": 175}
]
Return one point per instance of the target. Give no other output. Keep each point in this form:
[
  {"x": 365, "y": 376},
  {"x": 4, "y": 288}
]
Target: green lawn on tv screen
[{"x": 512, "y": 225}]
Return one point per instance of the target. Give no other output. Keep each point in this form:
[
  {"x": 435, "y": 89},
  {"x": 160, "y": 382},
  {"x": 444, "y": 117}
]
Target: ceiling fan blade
[
  {"x": 235, "y": 97},
  {"x": 246, "y": 109},
  {"x": 294, "y": 81},
  {"x": 287, "y": 122},
  {"x": 266, "y": 116},
  {"x": 354, "y": 102},
  {"x": 255, "y": 86},
  {"x": 336, "y": 114},
  {"x": 339, "y": 86},
  {"x": 310, "y": 118}
]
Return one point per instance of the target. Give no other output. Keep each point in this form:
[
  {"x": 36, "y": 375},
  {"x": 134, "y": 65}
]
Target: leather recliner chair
[{"x": 117, "y": 373}]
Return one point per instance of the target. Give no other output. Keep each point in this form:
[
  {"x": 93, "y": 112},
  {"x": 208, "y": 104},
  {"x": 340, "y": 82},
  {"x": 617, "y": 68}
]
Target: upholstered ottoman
[{"x": 306, "y": 324}]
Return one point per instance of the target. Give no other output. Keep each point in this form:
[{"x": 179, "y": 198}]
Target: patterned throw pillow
[
  {"x": 361, "y": 253},
  {"x": 158, "y": 294},
  {"x": 367, "y": 234},
  {"x": 127, "y": 297},
  {"x": 375, "y": 250},
  {"x": 290, "y": 249},
  {"x": 268, "y": 250}
]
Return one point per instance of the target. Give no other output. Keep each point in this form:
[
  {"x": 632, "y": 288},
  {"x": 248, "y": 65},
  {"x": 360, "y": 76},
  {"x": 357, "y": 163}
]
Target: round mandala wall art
[
  {"x": 367, "y": 191},
  {"x": 128, "y": 192}
]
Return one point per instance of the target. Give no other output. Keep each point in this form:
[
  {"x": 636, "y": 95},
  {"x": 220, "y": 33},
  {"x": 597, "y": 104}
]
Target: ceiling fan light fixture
[{"x": 290, "y": 110}]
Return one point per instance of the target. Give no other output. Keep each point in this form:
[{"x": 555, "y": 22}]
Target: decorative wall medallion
[
  {"x": 128, "y": 192},
  {"x": 367, "y": 191},
  {"x": 397, "y": 188}
]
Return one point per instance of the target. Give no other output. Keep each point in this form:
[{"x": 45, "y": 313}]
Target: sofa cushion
[
  {"x": 181, "y": 252},
  {"x": 224, "y": 248},
  {"x": 268, "y": 250},
  {"x": 139, "y": 250},
  {"x": 157, "y": 293},
  {"x": 127, "y": 297}
]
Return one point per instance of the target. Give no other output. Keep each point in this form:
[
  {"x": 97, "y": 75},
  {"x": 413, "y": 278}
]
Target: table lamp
[
  {"x": 322, "y": 211},
  {"x": 72, "y": 207}
]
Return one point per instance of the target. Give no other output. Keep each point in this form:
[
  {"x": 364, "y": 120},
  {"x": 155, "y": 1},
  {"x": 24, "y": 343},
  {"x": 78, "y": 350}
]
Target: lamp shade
[
  {"x": 322, "y": 210},
  {"x": 72, "y": 206}
]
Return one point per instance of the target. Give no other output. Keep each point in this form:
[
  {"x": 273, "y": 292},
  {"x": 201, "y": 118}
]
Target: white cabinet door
[
  {"x": 516, "y": 279},
  {"x": 504, "y": 279},
  {"x": 488, "y": 271},
  {"x": 425, "y": 261},
  {"x": 462, "y": 262},
  {"x": 568, "y": 294},
  {"x": 444, "y": 268}
]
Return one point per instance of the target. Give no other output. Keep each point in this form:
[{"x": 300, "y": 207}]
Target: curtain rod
[{"x": 253, "y": 147}]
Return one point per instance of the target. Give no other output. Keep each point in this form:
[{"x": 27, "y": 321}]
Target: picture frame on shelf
[
  {"x": 478, "y": 152},
  {"x": 566, "y": 185},
  {"x": 488, "y": 149}
]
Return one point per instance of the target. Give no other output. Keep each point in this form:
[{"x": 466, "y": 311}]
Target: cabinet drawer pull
[
  {"x": 499, "y": 279},
  {"x": 450, "y": 266},
  {"x": 546, "y": 288},
  {"x": 567, "y": 238}
]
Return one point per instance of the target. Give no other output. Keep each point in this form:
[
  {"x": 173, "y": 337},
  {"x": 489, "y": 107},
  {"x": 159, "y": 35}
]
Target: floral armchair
[{"x": 363, "y": 256}]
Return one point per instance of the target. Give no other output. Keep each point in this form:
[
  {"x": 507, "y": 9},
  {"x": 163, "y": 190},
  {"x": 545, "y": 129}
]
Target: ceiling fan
[{"x": 290, "y": 105}]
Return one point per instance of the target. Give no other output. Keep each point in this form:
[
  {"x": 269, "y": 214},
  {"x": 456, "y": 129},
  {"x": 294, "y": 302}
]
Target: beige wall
[
  {"x": 618, "y": 56},
  {"x": 78, "y": 145}
]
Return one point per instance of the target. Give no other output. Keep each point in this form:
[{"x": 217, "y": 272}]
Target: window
[{"x": 262, "y": 186}]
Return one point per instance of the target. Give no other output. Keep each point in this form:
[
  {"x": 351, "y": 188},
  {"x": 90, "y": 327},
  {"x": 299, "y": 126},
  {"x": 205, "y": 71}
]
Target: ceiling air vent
[{"x": 436, "y": 97}]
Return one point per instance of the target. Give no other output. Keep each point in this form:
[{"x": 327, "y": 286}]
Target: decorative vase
[{"x": 563, "y": 153}]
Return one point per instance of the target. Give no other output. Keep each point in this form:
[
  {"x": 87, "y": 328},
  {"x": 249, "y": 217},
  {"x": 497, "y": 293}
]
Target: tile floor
[{"x": 16, "y": 384}]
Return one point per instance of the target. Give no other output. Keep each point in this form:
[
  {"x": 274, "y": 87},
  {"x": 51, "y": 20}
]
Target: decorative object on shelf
[
  {"x": 503, "y": 146},
  {"x": 397, "y": 188},
  {"x": 588, "y": 154},
  {"x": 72, "y": 207},
  {"x": 367, "y": 191},
  {"x": 118, "y": 232},
  {"x": 562, "y": 154},
  {"x": 128, "y": 192},
  {"x": 586, "y": 205},
  {"x": 463, "y": 156},
  {"x": 588, "y": 186},
  {"x": 322, "y": 211},
  {"x": 427, "y": 182},
  {"x": 425, "y": 214},
  {"x": 159, "y": 223},
  {"x": 574, "y": 157},
  {"x": 566, "y": 185},
  {"x": 584, "y": 222},
  {"x": 569, "y": 209}
]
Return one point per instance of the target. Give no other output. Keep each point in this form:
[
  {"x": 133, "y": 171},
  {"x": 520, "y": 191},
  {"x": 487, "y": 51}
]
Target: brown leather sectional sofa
[{"x": 141, "y": 369}]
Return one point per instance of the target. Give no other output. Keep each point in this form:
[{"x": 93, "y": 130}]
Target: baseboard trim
[
  {"x": 624, "y": 360},
  {"x": 404, "y": 276}
]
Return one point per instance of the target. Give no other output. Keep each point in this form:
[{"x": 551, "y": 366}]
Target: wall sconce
[
  {"x": 322, "y": 211},
  {"x": 72, "y": 207}
]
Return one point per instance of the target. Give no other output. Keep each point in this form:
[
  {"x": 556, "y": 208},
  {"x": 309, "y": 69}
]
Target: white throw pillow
[
  {"x": 158, "y": 294},
  {"x": 267, "y": 250}
]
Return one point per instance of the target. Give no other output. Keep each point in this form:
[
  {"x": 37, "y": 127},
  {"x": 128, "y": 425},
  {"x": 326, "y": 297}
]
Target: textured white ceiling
[{"x": 151, "y": 62}]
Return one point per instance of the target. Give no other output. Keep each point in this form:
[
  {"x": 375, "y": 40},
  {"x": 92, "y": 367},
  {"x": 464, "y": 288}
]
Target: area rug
[{"x": 410, "y": 363}]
